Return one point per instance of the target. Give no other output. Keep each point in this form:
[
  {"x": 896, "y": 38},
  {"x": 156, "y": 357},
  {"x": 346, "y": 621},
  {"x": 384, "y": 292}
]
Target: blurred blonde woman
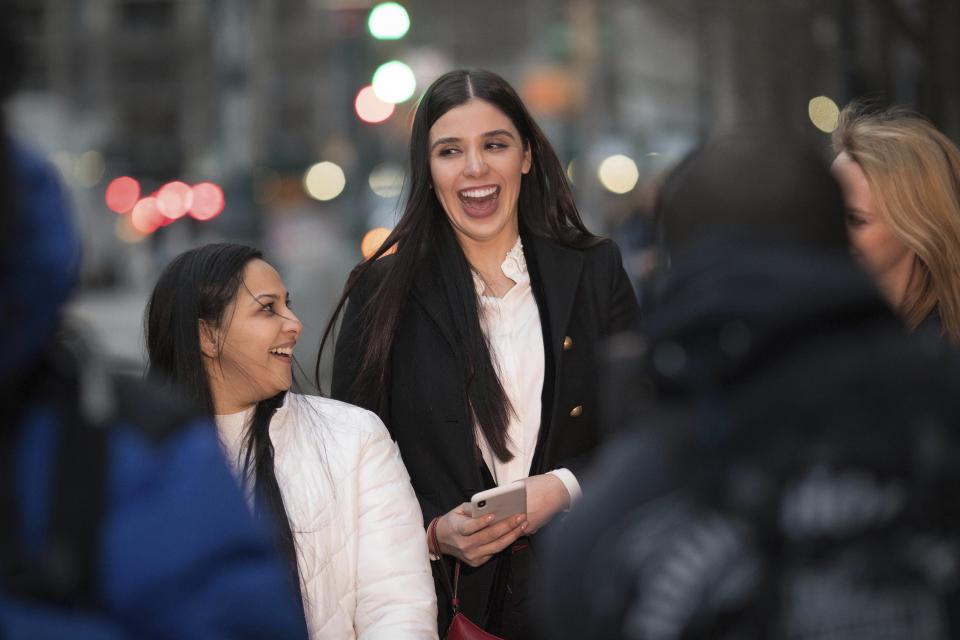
[{"x": 901, "y": 183}]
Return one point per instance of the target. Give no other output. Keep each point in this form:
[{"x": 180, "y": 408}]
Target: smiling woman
[
  {"x": 220, "y": 325},
  {"x": 477, "y": 161},
  {"x": 251, "y": 359},
  {"x": 474, "y": 341}
]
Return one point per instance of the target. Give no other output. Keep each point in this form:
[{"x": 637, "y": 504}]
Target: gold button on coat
[
  {"x": 567, "y": 343},
  {"x": 576, "y": 411}
]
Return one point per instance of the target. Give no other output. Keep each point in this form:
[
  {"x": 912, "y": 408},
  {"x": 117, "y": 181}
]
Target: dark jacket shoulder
[{"x": 600, "y": 254}]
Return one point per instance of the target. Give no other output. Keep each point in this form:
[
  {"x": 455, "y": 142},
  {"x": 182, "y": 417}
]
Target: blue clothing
[
  {"x": 41, "y": 267},
  {"x": 180, "y": 556}
]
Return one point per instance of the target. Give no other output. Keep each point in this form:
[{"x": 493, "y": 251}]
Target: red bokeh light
[
  {"x": 174, "y": 199},
  {"x": 122, "y": 194},
  {"x": 208, "y": 201},
  {"x": 370, "y": 108},
  {"x": 146, "y": 217}
]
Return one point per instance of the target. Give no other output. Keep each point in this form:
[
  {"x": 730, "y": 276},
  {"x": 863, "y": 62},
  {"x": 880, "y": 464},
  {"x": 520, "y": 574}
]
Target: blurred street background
[{"x": 283, "y": 123}]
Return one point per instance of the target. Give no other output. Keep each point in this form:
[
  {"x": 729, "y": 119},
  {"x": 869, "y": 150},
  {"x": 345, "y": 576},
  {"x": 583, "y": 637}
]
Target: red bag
[{"x": 461, "y": 627}]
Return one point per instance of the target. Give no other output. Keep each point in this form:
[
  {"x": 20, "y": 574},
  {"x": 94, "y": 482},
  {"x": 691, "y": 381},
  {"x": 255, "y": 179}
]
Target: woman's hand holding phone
[
  {"x": 476, "y": 540},
  {"x": 546, "y": 496}
]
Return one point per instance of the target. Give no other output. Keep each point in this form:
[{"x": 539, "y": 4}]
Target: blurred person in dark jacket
[
  {"x": 118, "y": 516},
  {"x": 795, "y": 473}
]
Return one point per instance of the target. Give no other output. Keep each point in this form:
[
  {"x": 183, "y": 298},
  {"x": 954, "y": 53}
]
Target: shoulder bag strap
[{"x": 452, "y": 588}]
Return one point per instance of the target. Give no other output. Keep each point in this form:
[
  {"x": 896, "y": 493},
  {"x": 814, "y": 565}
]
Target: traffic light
[
  {"x": 393, "y": 81},
  {"x": 388, "y": 21}
]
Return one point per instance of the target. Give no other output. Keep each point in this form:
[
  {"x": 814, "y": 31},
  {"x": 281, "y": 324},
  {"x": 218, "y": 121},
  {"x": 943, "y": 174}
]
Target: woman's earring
[{"x": 431, "y": 186}]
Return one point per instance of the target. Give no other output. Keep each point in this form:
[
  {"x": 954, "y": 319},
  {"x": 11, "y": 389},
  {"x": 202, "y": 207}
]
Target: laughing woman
[
  {"x": 219, "y": 324},
  {"x": 475, "y": 341}
]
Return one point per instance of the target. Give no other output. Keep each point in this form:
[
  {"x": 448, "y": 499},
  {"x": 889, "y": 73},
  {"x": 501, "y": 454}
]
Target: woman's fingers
[
  {"x": 467, "y": 526},
  {"x": 496, "y": 531},
  {"x": 502, "y": 542},
  {"x": 476, "y": 540}
]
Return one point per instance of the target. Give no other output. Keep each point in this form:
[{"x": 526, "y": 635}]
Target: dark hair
[
  {"x": 752, "y": 186},
  {"x": 546, "y": 208},
  {"x": 198, "y": 286}
]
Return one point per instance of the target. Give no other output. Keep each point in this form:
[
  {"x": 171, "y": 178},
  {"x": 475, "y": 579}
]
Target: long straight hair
[
  {"x": 914, "y": 174},
  {"x": 198, "y": 286},
  {"x": 424, "y": 236}
]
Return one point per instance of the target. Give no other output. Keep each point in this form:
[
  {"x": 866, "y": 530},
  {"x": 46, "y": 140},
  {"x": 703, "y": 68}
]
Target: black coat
[
  {"x": 583, "y": 296},
  {"x": 753, "y": 500}
]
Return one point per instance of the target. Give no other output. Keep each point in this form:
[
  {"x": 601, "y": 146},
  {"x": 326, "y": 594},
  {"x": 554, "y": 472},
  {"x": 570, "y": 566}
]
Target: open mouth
[
  {"x": 480, "y": 202},
  {"x": 283, "y": 353}
]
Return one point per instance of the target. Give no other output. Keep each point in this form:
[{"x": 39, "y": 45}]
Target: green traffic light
[
  {"x": 388, "y": 21},
  {"x": 394, "y": 82}
]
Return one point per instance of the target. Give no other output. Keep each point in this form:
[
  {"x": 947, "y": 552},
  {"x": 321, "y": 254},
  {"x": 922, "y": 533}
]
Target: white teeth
[
  {"x": 282, "y": 351},
  {"x": 479, "y": 193}
]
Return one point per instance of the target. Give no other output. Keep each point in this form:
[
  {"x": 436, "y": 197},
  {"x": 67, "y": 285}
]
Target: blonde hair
[{"x": 914, "y": 174}]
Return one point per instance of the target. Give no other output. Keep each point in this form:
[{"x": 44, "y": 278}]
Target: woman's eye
[
  {"x": 267, "y": 307},
  {"x": 853, "y": 220},
  {"x": 448, "y": 152},
  {"x": 496, "y": 145}
]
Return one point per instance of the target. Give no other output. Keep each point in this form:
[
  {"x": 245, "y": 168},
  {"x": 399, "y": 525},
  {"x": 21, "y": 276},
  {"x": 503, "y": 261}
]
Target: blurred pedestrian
[
  {"x": 475, "y": 341},
  {"x": 219, "y": 323},
  {"x": 901, "y": 181},
  {"x": 797, "y": 472},
  {"x": 118, "y": 517}
]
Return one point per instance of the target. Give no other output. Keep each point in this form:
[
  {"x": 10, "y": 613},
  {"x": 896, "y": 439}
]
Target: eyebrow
[
  {"x": 488, "y": 134},
  {"x": 272, "y": 296}
]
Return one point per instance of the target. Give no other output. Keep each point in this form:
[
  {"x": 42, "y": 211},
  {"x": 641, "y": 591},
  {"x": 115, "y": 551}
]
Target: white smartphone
[{"x": 502, "y": 502}]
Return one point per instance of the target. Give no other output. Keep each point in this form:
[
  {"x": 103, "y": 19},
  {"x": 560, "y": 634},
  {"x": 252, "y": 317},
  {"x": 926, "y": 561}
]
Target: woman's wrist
[{"x": 433, "y": 544}]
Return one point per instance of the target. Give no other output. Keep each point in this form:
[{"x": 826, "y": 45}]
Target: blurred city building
[{"x": 265, "y": 98}]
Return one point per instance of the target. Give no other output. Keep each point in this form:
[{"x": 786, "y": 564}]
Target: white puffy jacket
[{"x": 361, "y": 548}]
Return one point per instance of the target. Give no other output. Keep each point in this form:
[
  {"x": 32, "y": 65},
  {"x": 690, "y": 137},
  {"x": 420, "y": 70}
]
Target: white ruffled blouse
[{"x": 512, "y": 327}]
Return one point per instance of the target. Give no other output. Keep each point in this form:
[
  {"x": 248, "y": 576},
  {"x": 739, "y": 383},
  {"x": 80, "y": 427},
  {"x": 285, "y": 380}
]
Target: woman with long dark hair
[
  {"x": 327, "y": 474},
  {"x": 475, "y": 341}
]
